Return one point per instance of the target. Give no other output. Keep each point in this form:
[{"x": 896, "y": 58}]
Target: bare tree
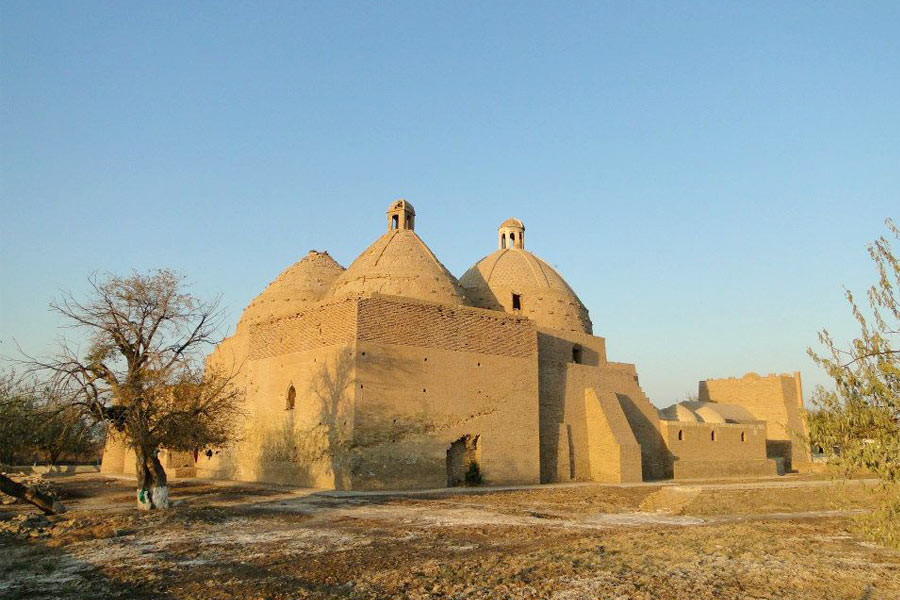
[
  {"x": 17, "y": 415},
  {"x": 19, "y": 423},
  {"x": 142, "y": 374},
  {"x": 65, "y": 431}
]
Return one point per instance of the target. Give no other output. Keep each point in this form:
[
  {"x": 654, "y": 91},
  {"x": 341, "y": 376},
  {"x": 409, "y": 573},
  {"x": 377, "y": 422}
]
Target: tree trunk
[
  {"x": 153, "y": 489},
  {"x": 32, "y": 495}
]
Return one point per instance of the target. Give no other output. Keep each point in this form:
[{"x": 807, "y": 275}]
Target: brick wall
[
  {"x": 319, "y": 327},
  {"x": 776, "y": 399},
  {"x": 562, "y": 387},
  {"x": 429, "y": 374},
  {"x": 392, "y": 320},
  {"x": 738, "y": 449}
]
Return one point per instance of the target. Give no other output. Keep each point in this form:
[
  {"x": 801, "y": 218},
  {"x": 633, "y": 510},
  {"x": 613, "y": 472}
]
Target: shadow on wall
[
  {"x": 377, "y": 448},
  {"x": 485, "y": 296},
  {"x": 304, "y": 456},
  {"x": 657, "y": 462}
]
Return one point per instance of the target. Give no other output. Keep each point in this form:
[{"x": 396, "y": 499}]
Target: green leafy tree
[{"x": 858, "y": 423}]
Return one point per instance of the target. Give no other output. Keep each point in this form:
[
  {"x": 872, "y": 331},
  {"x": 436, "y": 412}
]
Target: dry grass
[{"x": 563, "y": 542}]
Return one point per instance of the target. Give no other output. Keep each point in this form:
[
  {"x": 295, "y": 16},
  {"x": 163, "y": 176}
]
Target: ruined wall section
[
  {"x": 428, "y": 374},
  {"x": 775, "y": 399}
]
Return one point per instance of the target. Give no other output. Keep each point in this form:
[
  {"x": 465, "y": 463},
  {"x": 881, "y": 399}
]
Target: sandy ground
[{"x": 782, "y": 538}]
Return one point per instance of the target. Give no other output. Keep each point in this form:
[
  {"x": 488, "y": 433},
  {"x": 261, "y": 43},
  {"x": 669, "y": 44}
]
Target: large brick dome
[
  {"x": 400, "y": 264},
  {"x": 516, "y": 281},
  {"x": 300, "y": 285}
]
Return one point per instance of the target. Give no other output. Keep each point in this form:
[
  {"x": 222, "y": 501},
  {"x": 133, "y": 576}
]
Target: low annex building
[{"x": 394, "y": 374}]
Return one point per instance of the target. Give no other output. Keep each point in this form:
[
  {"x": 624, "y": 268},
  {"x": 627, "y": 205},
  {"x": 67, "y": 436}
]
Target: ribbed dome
[
  {"x": 543, "y": 295},
  {"x": 400, "y": 264},
  {"x": 300, "y": 285}
]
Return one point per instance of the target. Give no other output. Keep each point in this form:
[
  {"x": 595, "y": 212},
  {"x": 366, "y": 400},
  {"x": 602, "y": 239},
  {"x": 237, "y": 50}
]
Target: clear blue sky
[{"x": 706, "y": 176}]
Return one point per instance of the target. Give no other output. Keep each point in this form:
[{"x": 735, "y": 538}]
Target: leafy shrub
[{"x": 473, "y": 475}]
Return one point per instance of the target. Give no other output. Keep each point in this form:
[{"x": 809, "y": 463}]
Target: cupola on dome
[
  {"x": 516, "y": 281},
  {"x": 400, "y": 264}
]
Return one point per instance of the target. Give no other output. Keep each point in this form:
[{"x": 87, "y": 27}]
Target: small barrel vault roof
[{"x": 707, "y": 412}]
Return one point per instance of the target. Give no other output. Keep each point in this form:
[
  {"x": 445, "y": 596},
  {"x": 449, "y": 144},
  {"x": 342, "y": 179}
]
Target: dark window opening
[
  {"x": 503, "y": 241},
  {"x": 712, "y": 436},
  {"x": 395, "y": 221},
  {"x": 680, "y": 434},
  {"x": 577, "y": 354},
  {"x": 517, "y": 302},
  {"x": 291, "y": 399},
  {"x": 743, "y": 437}
]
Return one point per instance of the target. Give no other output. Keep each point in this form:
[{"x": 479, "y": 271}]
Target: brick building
[{"x": 394, "y": 374}]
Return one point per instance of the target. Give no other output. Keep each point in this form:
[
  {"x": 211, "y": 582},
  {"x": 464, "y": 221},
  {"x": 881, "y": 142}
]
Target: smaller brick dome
[
  {"x": 516, "y": 281},
  {"x": 302, "y": 284}
]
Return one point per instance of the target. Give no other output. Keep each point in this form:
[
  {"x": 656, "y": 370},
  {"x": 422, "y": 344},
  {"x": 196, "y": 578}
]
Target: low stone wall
[{"x": 52, "y": 470}]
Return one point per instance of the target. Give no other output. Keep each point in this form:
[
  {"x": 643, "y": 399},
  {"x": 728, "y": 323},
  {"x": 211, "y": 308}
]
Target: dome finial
[
  {"x": 401, "y": 215},
  {"x": 511, "y": 234}
]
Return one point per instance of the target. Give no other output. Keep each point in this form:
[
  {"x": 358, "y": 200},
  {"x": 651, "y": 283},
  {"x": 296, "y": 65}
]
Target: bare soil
[{"x": 780, "y": 538}]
